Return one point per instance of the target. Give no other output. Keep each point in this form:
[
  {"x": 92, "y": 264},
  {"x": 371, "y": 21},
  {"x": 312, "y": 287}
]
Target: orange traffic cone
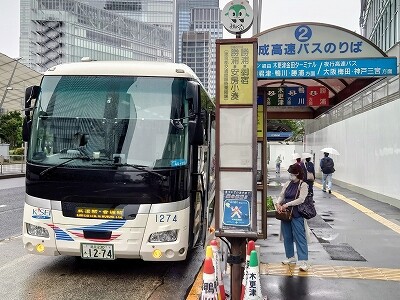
[
  {"x": 250, "y": 247},
  {"x": 209, "y": 290},
  {"x": 253, "y": 284},
  {"x": 218, "y": 271}
]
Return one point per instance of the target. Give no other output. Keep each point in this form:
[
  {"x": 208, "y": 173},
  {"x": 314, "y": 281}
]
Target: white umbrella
[
  {"x": 330, "y": 151},
  {"x": 296, "y": 156},
  {"x": 306, "y": 155}
]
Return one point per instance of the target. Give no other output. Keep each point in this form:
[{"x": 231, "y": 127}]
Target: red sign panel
[{"x": 317, "y": 96}]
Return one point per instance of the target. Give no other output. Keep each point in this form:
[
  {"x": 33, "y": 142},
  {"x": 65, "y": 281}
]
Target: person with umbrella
[{"x": 327, "y": 167}]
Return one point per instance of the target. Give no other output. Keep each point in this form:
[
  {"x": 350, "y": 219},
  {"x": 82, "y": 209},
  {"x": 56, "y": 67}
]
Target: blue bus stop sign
[{"x": 236, "y": 208}]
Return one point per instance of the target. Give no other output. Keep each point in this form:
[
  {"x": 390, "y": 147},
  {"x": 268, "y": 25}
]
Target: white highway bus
[{"x": 120, "y": 161}]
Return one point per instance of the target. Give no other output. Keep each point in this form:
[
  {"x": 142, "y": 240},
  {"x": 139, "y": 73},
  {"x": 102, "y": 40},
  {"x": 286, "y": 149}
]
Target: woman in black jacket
[{"x": 308, "y": 167}]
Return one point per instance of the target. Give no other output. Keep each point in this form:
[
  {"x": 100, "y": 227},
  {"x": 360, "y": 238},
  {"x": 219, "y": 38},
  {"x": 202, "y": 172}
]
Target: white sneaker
[
  {"x": 303, "y": 265},
  {"x": 289, "y": 261}
]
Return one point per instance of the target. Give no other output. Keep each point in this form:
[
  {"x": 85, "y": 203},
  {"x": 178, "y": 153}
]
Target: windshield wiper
[
  {"x": 141, "y": 168},
  {"x": 63, "y": 163}
]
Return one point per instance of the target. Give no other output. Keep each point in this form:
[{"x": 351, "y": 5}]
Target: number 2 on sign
[{"x": 165, "y": 218}]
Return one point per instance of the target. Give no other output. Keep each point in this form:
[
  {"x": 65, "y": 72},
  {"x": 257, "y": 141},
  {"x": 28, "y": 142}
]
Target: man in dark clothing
[
  {"x": 308, "y": 167},
  {"x": 327, "y": 167}
]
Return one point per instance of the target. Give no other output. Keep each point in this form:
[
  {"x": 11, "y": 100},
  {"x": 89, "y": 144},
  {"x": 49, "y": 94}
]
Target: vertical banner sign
[
  {"x": 237, "y": 129},
  {"x": 295, "y": 96},
  {"x": 275, "y": 96},
  {"x": 236, "y": 63},
  {"x": 317, "y": 96}
]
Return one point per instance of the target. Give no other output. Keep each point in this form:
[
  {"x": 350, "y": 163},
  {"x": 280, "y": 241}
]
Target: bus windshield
[{"x": 126, "y": 120}]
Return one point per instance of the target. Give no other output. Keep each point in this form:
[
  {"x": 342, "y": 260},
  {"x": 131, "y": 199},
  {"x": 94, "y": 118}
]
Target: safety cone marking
[
  {"x": 218, "y": 271},
  {"x": 250, "y": 247},
  {"x": 253, "y": 284},
  {"x": 209, "y": 289}
]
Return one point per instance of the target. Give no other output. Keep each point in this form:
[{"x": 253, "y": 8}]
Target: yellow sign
[
  {"x": 236, "y": 74},
  {"x": 99, "y": 213},
  {"x": 260, "y": 121}
]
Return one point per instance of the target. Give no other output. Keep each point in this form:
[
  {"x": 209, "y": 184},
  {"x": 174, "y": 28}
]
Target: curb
[{"x": 7, "y": 176}]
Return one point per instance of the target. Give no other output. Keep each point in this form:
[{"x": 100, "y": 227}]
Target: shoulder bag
[
  {"x": 307, "y": 208},
  {"x": 287, "y": 214},
  {"x": 310, "y": 175}
]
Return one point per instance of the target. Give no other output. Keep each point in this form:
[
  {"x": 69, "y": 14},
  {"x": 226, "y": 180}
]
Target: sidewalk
[{"x": 353, "y": 253}]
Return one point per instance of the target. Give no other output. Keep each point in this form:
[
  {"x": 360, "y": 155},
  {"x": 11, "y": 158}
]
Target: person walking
[
  {"x": 327, "y": 167},
  {"x": 278, "y": 165},
  {"x": 308, "y": 168},
  {"x": 292, "y": 194}
]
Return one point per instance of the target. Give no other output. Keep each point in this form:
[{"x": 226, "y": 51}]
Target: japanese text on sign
[
  {"x": 236, "y": 208},
  {"x": 236, "y": 65},
  {"x": 99, "y": 213},
  {"x": 331, "y": 68},
  {"x": 292, "y": 49},
  {"x": 297, "y": 96},
  {"x": 303, "y": 45}
]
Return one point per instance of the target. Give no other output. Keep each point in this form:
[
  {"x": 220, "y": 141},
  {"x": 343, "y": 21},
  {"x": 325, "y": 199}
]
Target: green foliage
[
  {"x": 11, "y": 129},
  {"x": 270, "y": 203},
  {"x": 297, "y": 128},
  {"x": 19, "y": 151}
]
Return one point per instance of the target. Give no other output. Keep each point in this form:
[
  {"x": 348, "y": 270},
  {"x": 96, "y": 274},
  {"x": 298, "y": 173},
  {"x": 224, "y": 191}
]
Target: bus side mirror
[
  {"x": 31, "y": 92},
  {"x": 196, "y": 129},
  {"x": 26, "y": 129},
  {"x": 192, "y": 96},
  {"x": 196, "y": 132}
]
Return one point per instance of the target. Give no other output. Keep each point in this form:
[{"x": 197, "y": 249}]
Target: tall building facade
[
  {"x": 183, "y": 13},
  {"x": 208, "y": 20},
  {"x": 60, "y": 31},
  {"x": 196, "y": 50},
  {"x": 380, "y": 22}
]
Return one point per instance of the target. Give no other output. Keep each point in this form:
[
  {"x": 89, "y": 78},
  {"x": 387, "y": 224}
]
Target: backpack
[{"x": 327, "y": 165}]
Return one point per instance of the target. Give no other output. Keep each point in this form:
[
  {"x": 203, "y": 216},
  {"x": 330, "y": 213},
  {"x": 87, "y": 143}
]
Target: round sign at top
[{"x": 237, "y": 16}]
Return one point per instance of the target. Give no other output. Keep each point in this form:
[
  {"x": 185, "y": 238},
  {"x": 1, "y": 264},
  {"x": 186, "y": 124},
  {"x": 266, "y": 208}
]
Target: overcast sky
[{"x": 343, "y": 13}]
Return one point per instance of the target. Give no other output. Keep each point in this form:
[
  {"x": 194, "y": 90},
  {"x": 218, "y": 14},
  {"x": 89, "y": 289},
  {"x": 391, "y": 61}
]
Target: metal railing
[
  {"x": 375, "y": 95},
  {"x": 12, "y": 164}
]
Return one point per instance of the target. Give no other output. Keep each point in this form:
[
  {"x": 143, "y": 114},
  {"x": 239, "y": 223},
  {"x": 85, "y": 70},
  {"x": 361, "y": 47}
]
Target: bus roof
[{"x": 123, "y": 68}]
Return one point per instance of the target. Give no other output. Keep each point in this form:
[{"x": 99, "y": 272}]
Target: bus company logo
[
  {"x": 41, "y": 213},
  {"x": 178, "y": 162}
]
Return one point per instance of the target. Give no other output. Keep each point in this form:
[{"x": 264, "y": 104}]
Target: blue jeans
[
  {"x": 294, "y": 232},
  {"x": 326, "y": 180}
]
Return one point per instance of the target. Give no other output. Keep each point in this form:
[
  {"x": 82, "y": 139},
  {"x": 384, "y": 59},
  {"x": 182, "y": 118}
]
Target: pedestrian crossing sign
[{"x": 236, "y": 208}]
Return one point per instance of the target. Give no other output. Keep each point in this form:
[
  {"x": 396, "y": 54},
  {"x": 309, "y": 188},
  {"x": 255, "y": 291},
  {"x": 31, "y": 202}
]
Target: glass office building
[
  {"x": 60, "y": 31},
  {"x": 202, "y": 20},
  {"x": 196, "y": 54},
  {"x": 203, "y": 59},
  {"x": 379, "y": 21},
  {"x": 184, "y": 8}
]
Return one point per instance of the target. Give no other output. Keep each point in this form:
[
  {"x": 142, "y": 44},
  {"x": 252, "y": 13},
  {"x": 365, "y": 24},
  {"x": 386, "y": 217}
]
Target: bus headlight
[
  {"x": 164, "y": 236},
  {"x": 37, "y": 230}
]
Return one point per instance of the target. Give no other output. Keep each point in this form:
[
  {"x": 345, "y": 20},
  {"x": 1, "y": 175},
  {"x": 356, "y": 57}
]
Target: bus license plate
[{"x": 97, "y": 251}]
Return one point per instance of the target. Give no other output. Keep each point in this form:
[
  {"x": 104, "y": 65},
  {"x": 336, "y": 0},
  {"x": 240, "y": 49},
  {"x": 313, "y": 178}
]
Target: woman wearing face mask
[{"x": 294, "y": 193}]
